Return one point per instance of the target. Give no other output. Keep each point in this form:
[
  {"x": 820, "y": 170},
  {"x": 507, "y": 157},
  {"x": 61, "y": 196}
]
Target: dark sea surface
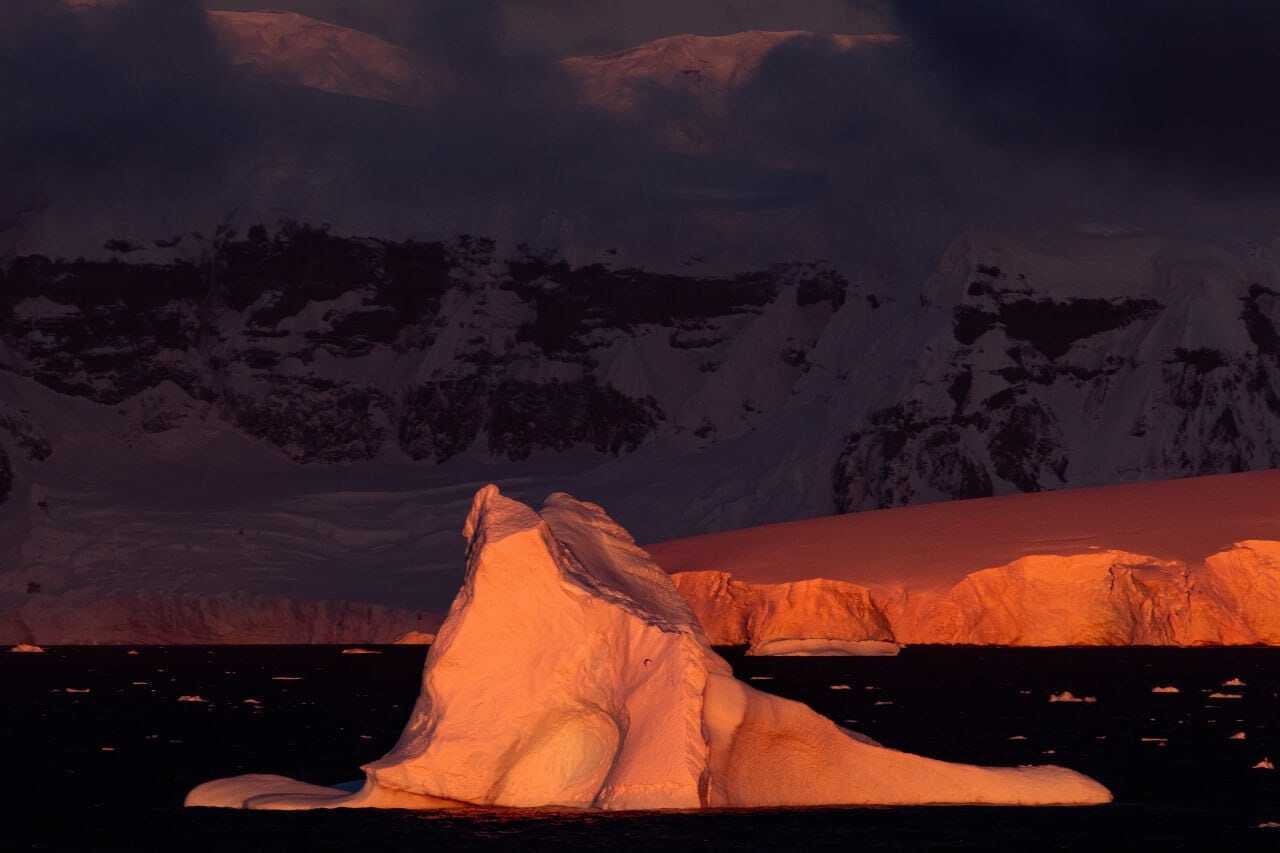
[{"x": 107, "y": 769}]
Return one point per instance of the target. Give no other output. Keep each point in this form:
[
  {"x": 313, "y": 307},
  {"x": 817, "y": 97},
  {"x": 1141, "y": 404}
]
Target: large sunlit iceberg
[{"x": 570, "y": 672}]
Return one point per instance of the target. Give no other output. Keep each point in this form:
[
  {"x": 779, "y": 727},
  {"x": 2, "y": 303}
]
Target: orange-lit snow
[
  {"x": 1181, "y": 562},
  {"x": 570, "y": 672}
]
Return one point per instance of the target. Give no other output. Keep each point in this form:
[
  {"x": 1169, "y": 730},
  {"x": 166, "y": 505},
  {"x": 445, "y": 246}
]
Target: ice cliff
[
  {"x": 1186, "y": 562},
  {"x": 1098, "y": 598},
  {"x": 570, "y": 672}
]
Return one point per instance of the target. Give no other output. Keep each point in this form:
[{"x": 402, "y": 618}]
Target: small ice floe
[
  {"x": 132, "y": 652},
  {"x": 1264, "y": 764},
  {"x": 1238, "y": 736},
  {"x": 1024, "y": 692},
  {"x": 1068, "y": 696},
  {"x": 884, "y": 702},
  {"x": 251, "y": 702},
  {"x": 1048, "y": 752},
  {"x": 1100, "y": 737},
  {"x": 840, "y": 687},
  {"x": 1168, "y": 689},
  {"x": 192, "y": 697},
  {"x": 77, "y": 689},
  {"x": 1233, "y": 682},
  {"x": 1269, "y": 824},
  {"x": 1219, "y": 695},
  {"x": 415, "y": 638},
  {"x": 871, "y": 687},
  {"x": 762, "y": 678},
  {"x": 26, "y": 648},
  {"x": 366, "y": 737},
  {"x": 286, "y": 678},
  {"x": 1160, "y": 740},
  {"x": 106, "y": 749},
  {"x": 138, "y": 683},
  {"x": 1018, "y": 737},
  {"x": 359, "y": 651}
]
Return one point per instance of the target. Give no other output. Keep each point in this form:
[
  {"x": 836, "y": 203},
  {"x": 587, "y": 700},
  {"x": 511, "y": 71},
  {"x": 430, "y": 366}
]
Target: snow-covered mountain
[
  {"x": 300, "y": 416},
  {"x": 323, "y": 56},
  {"x": 707, "y": 68}
]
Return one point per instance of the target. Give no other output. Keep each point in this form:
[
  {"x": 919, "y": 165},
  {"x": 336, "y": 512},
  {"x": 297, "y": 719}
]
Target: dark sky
[{"x": 987, "y": 114}]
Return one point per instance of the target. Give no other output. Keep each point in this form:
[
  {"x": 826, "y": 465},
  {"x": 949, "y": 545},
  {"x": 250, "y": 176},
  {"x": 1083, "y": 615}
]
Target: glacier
[
  {"x": 571, "y": 673},
  {"x": 1179, "y": 563}
]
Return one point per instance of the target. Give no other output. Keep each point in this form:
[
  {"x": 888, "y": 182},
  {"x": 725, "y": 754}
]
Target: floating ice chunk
[
  {"x": 1068, "y": 696},
  {"x": 358, "y": 651},
  {"x": 1018, "y": 737},
  {"x": 884, "y": 702},
  {"x": 415, "y": 638},
  {"x": 1264, "y": 764},
  {"x": 26, "y": 648},
  {"x": 106, "y": 749},
  {"x": 137, "y": 683},
  {"x": 78, "y": 689},
  {"x": 192, "y": 697},
  {"x": 133, "y": 652},
  {"x": 1169, "y": 689},
  {"x": 1238, "y": 736},
  {"x": 823, "y": 647},
  {"x": 841, "y": 687},
  {"x": 761, "y": 678},
  {"x": 571, "y": 673},
  {"x": 1217, "y": 695},
  {"x": 1233, "y": 682},
  {"x": 286, "y": 678},
  {"x": 251, "y": 702},
  {"x": 1269, "y": 824},
  {"x": 1159, "y": 740}
]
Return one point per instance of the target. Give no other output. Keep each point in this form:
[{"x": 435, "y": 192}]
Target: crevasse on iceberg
[{"x": 570, "y": 672}]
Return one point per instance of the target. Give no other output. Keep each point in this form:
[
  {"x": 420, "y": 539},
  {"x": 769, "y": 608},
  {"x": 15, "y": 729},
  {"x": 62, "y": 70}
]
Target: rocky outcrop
[
  {"x": 336, "y": 350},
  {"x": 1133, "y": 358},
  {"x": 571, "y": 673}
]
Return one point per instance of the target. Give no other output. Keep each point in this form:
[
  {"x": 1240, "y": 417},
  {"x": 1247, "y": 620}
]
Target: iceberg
[
  {"x": 571, "y": 673},
  {"x": 415, "y": 638}
]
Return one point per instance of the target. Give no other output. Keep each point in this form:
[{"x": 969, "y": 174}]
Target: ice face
[{"x": 571, "y": 673}]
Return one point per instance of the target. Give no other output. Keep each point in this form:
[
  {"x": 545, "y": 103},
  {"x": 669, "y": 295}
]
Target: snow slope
[
  {"x": 1183, "y": 562},
  {"x": 337, "y": 398},
  {"x": 571, "y": 673},
  {"x": 319, "y": 55},
  {"x": 705, "y": 67}
]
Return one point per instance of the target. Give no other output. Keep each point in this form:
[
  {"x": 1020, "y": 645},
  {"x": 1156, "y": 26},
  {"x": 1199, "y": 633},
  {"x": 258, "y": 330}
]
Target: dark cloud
[
  {"x": 1179, "y": 89},
  {"x": 984, "y": 114},
  {"x": 561, "y": 28},
  {"x": 142, "y": 83}
]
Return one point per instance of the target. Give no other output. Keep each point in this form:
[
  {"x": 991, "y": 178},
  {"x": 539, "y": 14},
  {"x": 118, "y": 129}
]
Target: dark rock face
[
  {"x": 6, "y": 476},
  {"x": 1038, "y": 391},
  {"x": 334, "y": 349}
]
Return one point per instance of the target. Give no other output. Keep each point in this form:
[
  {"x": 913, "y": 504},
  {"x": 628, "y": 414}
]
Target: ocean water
[{"x": 100, "y": 747}]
